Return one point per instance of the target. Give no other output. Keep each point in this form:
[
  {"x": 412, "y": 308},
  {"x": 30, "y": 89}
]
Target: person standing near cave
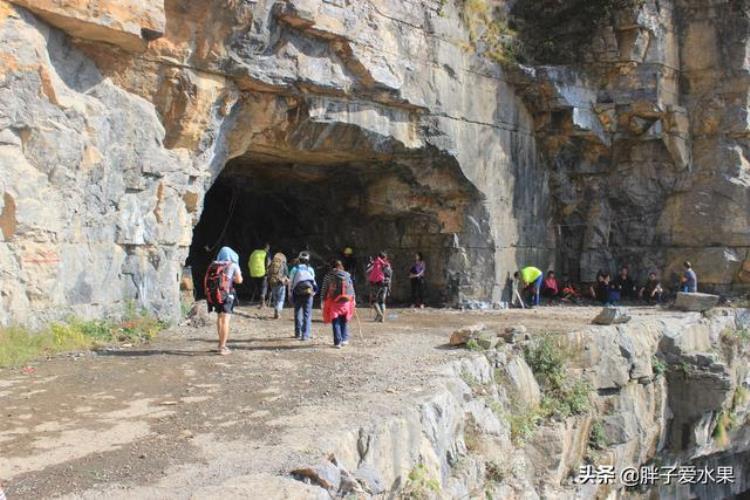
[
  {"x": 304, "y": 287},
  {"x": 257, "y": 265},
  {"x": 379, "y": 274},
  {"x": 221, "y": 276},
  {"x": 532, "y": 278},
  {"x": 349, "y": 261},
  {"x": 416, "y": 277}
]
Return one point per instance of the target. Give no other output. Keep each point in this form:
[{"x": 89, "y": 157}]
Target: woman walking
[
  {"x": 303, "y": 286},
  {"x": 221, "y": 276},
  {"x": 416, "y": 276},
  {"x": 338, "y": 302}
]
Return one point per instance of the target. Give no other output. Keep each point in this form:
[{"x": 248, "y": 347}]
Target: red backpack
[{"x": 216, "y": 283}]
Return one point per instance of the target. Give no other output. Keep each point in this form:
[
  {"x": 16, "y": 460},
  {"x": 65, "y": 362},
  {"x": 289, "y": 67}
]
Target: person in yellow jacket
[
  {"x": 532, "y": 276},
  {"x": 257, "y": 265}
]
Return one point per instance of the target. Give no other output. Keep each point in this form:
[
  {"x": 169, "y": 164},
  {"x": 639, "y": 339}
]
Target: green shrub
[
  {"x": 561, "y": 397},
  {"x": 658, "y": 365},
  {"x": 419, "y": 485},
  {"x": 597, "y": 437},
  {"x": 473, "y": 345}
]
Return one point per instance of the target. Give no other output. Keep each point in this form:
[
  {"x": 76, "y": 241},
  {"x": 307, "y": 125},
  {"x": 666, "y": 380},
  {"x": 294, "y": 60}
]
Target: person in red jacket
[{"x": 550, "y": 286}]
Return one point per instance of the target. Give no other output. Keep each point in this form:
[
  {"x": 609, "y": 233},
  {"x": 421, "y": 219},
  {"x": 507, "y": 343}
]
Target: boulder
[
  {"x": 461, "y": 336},
  {"x": 198, "y": 315},
  {"x": 697, "y": 302},
  {"x": 514, "y": 334},
  {"x": 611, "y": 316},
  {"x": 486, "y": 340},
  {"x": 325, "y": 474},
  {"x": 370, "y": 479}
]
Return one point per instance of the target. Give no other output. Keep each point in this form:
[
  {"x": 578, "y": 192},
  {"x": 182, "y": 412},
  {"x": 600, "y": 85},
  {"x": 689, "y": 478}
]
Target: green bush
[
  {"x": 561, "y": 397},
  {"x": 419, "y": 485},
  {"x": 597, "y": 437}
]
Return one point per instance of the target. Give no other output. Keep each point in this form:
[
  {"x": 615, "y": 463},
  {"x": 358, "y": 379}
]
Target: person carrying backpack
[
  {"x": 379, "y": 274},
  {"x": 278, "y": 280},
  {"x": 218, "y": 283},
  {"x": 303, "y": 288},
  {"x": 257, "y": 264},
  {"x": 339, "y": 302}
]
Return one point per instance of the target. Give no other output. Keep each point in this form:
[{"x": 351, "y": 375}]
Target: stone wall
[{"x": 114, "y": 127}]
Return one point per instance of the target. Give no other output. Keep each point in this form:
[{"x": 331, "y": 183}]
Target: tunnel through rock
[{"x": 401, "y": 207}]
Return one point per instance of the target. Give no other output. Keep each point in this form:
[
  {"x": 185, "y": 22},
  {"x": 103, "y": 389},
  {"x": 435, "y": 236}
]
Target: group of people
[
  {"x": 273, "y": 278},
  {"x": 530, "y": 284}
]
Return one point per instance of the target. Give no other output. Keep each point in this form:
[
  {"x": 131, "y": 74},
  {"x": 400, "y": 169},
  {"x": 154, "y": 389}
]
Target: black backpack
[{"x": 338, "y": 289}]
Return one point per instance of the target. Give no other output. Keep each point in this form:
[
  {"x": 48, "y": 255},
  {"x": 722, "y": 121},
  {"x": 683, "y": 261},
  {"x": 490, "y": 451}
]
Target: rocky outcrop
[
  {"x": 671, "y": 390},
  {"x": 379, "y": 124}
]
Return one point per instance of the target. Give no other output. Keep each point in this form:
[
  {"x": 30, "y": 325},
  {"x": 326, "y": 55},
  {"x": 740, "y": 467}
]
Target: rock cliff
[{"x": 373, "y": 124}]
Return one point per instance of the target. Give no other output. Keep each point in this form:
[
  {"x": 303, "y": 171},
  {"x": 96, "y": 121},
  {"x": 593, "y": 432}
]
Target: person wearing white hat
[{"x": 303, "y": 287}]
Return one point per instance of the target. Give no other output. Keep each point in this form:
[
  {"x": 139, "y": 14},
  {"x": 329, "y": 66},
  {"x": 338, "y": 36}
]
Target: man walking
[
  {"x": 257, "y": 264},
  {"x": 303, "y": 287}
]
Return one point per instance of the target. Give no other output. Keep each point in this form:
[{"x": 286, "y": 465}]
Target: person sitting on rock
[
  {"x": 652, "y": 291},
  {"x": 599, "y": 291},
  {"x": 550, "y": 286},
  {"x": 689, "y": 280},
  {"x": 532, "y": 278},
  {"x": 338, "y": 302},
  {"x": 221, "y": 276},
  {"x": 624, "y": 284},
  {"x": 568, "y": 291},
  {"x": 614, "y": 293}
]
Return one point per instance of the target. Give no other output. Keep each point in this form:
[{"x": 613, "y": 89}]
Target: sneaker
[
  {"x": 345, "y": 342},
  {"x": 224, "y": 351},
  {"x": 338, "y": 346}
]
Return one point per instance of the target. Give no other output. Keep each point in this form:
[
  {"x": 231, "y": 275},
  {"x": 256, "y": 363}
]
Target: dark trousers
[
  {"x": 303, "y": 316},
  {"x": 417, "y": 291},
  {"x": 258, "y": 288},
  {"x": 340, "y": 330}
]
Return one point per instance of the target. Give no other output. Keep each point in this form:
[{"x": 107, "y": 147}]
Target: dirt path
[{"x": 172, "y": 417}]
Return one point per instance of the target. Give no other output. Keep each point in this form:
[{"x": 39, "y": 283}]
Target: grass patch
[
  {"x": 473, "y": 345},
  {"x": 523, "y": 424},
  {"x": 736, "y": 337},
  {"x": 597, "y": 437},
  {"x": 420, "y": 486},
  {"x": 561, "y": 396},
  {"x": 19, "y": 345},
  {"x": 724, "y": 423},
  {"x": 658, "y": 365}
]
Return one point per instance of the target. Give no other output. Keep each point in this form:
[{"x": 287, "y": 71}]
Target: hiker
[
  {"x": 516, "y": 299},
  {"x": 614, "y": 292},
  {"x": 689, "y": 280},
  {"x": 550, "y": 285},
  {"x": 350, "y": 262},
  {"x": 416, "y": 277},
  {"x": 568, "y": 291},
  {"x": 379, "y": 274},
  {"x": 257, "y": 264},
  {"x": 338, "y": 305},
  {"x": 532, "y": 279},
  {"x": 652, "y": 291},
  {"x": 278, "y": 280},
  {"x": 303, "y": 288},
  {"x": 625, "y": 284},
  {"x": 599, "y": 291},
  {"x": 221, "y": 276}
]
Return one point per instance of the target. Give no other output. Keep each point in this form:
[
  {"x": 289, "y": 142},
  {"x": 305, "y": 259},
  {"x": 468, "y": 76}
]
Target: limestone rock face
[{"x": 131, "y": 132}]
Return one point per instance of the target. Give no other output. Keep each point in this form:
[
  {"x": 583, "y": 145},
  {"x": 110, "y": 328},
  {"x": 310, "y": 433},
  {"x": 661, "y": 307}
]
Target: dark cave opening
[{"x": 321, "y": 208}]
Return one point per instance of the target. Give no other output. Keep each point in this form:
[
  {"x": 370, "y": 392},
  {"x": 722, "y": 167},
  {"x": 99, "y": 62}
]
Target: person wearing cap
[{"x": 303, "y": 288}]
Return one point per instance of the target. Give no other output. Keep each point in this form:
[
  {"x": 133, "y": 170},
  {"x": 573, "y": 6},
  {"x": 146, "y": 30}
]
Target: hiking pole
[{"x": 359, "y": 324}]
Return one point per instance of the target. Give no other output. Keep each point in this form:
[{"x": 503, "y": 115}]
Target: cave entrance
[{"x": 324, "y": 208}]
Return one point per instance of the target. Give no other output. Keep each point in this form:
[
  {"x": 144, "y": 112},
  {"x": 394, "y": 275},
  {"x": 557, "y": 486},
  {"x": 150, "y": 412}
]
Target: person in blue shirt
[
  {"x": 303, "y": 288},
  {"x": 689, "y": 279}
]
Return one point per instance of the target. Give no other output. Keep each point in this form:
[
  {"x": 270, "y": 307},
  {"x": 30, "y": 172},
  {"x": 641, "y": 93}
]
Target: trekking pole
[{"x": 359, "y": 325}]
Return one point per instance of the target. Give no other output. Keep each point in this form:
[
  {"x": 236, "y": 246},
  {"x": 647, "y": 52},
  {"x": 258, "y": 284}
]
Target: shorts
[{"x": 227, "y": 307}]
